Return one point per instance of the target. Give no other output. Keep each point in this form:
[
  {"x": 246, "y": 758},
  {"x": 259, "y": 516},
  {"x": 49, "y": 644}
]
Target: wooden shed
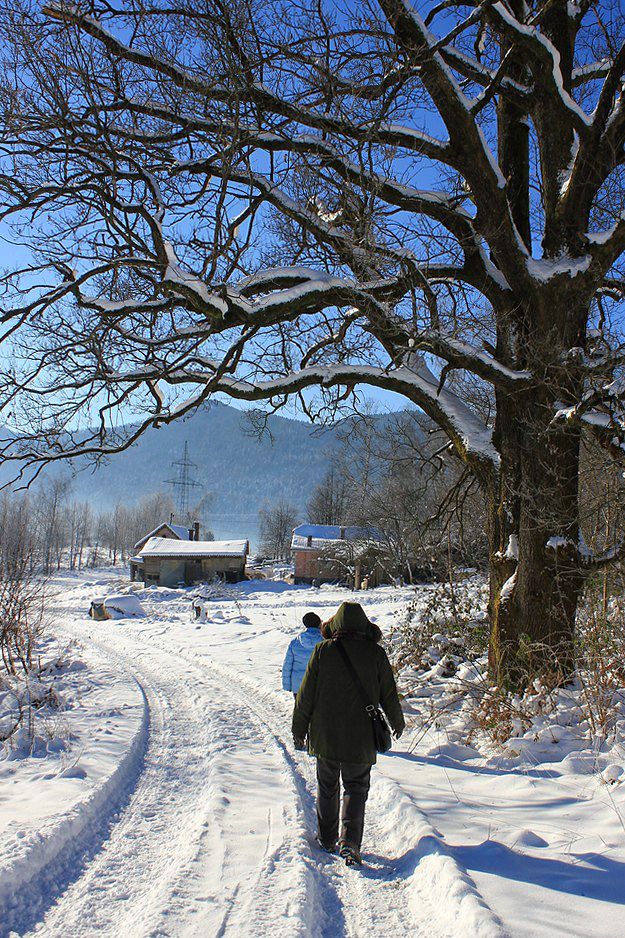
[
  {"x": 168, "y": 562},
  {"x": 175, "y": 532}
]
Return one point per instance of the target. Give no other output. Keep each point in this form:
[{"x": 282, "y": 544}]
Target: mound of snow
[
  {"x": 613, "y": 774},
  {"x": 124, "y": 607},
  {"x": 529, "y": 838}
]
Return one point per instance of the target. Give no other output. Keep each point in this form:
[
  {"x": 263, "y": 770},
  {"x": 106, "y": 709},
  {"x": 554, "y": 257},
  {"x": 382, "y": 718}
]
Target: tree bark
[
  {"x": 534, "y": 598},
  {"x": 536, "y": 570}
]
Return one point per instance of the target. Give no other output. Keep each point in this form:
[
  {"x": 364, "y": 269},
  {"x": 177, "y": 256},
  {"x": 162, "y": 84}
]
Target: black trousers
[{"x": 356, "y": 779}]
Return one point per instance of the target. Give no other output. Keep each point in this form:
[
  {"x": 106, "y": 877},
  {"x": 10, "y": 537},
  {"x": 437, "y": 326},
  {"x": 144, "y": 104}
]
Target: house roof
[
  {"x": 178, "y": 530},
  {"x": 166, "y": 547},
  {"x": 324, "y": 535}
]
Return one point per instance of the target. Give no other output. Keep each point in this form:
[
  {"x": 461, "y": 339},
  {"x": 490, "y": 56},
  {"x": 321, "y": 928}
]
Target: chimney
[{"x": 196, "y": 530}]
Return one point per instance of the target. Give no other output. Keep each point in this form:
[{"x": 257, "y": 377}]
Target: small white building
[{"x": 168, "y": 562}]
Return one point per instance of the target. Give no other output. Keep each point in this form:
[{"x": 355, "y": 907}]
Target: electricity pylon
[{"x": 183, "y": 483}]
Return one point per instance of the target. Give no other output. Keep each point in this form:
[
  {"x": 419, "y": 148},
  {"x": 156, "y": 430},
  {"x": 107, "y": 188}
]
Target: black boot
[
  {"x": 350, "y": 854},
  {"x": 329, "y": 848}
]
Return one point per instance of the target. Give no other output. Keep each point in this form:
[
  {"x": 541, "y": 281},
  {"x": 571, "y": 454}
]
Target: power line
[{"x": 183, "y": 482}]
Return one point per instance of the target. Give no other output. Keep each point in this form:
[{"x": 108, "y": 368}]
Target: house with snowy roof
[
  {"x": 331, "y": 553},
  {"x": 169, "y": 562},
  {"x": 166, "y": 529},
  {"x": 178, "y": 532}
]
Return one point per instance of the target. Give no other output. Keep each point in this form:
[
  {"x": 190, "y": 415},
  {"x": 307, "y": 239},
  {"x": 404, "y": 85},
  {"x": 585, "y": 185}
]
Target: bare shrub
[
  {"x": 22, "y": 621},
  {"x": 601, "y": 658},
  {"x": 500, "y": 715},
  {"x": 22, "y": 593},
  {"x": 22, "y": 625},
  {"x": 442, "y": 626}
]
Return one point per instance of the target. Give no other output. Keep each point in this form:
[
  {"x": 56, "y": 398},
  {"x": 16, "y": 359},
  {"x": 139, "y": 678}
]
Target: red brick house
[{"x": 327, "y": 553}]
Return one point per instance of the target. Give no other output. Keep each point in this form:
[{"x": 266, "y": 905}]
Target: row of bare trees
[
  {"x": 398, "y": 475},
  {"x": 56, "y": 531}
]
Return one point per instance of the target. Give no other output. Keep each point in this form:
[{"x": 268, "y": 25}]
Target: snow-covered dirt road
[
  {"x": 211, "y": 829},
  {"x": 216, "y": 837}
]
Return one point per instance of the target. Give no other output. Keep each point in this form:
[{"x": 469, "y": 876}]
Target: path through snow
[{"x": 216, "y": 838}]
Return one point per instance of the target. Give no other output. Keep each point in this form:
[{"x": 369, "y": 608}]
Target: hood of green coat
[{"x": 351, "y": 617}]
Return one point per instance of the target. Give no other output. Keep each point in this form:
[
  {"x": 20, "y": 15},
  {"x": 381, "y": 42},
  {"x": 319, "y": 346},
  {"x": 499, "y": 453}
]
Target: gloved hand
[
  {"x": 299, "y": 743},
  {"x": 397, "y": 734}
]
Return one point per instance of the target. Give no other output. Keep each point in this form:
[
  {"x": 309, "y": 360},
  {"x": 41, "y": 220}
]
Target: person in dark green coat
[{"x": 330, "y": 711}]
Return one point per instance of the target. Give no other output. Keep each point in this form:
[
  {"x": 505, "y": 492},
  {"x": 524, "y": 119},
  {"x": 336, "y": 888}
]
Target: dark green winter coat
[{"x": 328, "y": 706}]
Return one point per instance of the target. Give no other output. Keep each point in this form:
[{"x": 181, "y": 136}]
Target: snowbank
[
  {"x": 436, "y": 879},
  {"x": 64, "y": 794}
]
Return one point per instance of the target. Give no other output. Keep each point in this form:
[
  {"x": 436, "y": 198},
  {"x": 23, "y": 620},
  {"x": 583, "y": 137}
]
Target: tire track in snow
[
  {"x": 288, "y": 895},
  {"x": 156, "y": 880},
  {"x": 356, "y": 902},
  {"x": 124, "y": 886},
  {"x": 191, "y": 887},
  {"x": 386, "y": 896},
  {"x": 295, "y": 892}
]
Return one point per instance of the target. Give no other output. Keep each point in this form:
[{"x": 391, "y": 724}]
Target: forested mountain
[{"x": 238, "y": 469}]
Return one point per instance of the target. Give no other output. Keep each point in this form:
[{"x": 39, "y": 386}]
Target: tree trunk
[
  {"x": 536, "y": 576},
  {"x": 534, "y": 598}
]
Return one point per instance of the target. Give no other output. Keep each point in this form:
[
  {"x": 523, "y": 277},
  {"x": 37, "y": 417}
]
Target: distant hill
[{"x": 240, "y": 471}]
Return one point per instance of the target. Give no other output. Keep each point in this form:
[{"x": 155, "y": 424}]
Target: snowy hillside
[{"x": 177, "y": 805}]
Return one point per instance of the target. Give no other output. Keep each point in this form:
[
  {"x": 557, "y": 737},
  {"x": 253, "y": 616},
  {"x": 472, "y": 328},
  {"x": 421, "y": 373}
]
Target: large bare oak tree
[{"x": 262, "y": 198}]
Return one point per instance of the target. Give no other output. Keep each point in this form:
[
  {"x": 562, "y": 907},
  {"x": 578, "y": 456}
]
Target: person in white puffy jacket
[{"x": 299, "y": 651}]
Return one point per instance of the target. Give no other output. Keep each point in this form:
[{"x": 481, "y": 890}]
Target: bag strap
[{"x": 369, "y": 707}]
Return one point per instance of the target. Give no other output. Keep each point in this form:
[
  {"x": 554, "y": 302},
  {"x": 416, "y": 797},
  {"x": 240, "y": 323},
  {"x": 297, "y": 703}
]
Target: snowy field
[{"x": 168, "y": 799}]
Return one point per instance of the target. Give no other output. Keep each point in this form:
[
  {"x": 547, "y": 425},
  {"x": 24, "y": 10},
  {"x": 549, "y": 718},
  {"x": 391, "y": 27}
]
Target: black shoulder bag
[{"x": 381, "y": 730}]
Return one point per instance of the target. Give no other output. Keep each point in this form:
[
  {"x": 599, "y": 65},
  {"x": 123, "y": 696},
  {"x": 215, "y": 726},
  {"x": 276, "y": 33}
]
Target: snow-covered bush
[
  {"x": 498, "y": 717},
  {"x": 439, "y": 654},
  {"x": 590, "y": 707},
  {"x": 216, "y": 589},
  {"x": 31, "y": 707},
  {"x": 443, "y": 626}
]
